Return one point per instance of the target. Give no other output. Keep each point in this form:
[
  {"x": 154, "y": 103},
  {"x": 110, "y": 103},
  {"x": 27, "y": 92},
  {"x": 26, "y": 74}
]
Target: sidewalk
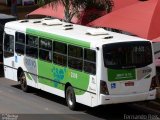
[{"x": 21, "y": 10}]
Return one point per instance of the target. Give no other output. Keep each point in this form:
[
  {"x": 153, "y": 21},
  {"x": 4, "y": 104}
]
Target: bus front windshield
[{"x": 126, "y": 55}]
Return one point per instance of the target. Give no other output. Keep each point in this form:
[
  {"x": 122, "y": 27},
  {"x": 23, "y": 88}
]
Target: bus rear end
[{"x": 128, "y": 72}]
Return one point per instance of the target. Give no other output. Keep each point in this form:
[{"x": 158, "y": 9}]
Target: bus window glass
[
  {"x": 32, "y": 52},
  {"x": 75, "y": 51},
  {"x": 75, "y": 57},
  {"x": 9, "y": 43},
  {"x": 45, "y": 49},
  {"x": 60, "y": 47},
  {"x": 90, "y": 55},
  {"x": 90, "y": 61},
  {"x": 90, "y": 67},
  {"x": 20, "y": 37},
  {"x": 45, "y": 55},
  {"x": 75, "y": 63},
  {"x": 20, "y": 41},
  {"x": 32, "y": 40},
  {"x": 127, "y": 55},
  {"x": 32, "y": 46},
  {"x": 19, "y": 48},
  {"x": 45, "y": 44},
  {"x": 60, "y": 59},
  {"x": 60, "y": 53}
]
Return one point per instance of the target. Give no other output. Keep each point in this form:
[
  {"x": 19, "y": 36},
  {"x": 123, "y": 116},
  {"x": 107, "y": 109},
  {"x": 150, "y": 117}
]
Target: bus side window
[
  {"x": 60, "y": 53},
  {"x": 45, "y": 49},
  {"x": 75, "y": 57},
  {"x": 90, "y": 61},
  {"x": 20, "y": 43},
  {"x": 8, "y": 45},
  {"x": 32, "y": 46}
]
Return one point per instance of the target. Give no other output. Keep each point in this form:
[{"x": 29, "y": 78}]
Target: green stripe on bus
[
  {"x": 120, "y": 75},
  {"x": 58, "y": 38},
  {"x": 62, "y": 75}
]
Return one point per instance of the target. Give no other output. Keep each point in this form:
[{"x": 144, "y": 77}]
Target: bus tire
[
  {"x": 70, "y": 98},
  {"x": 23, "y": 82}
]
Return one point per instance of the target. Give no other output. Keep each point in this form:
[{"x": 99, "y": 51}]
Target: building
[{"x": 19, "y": 2}]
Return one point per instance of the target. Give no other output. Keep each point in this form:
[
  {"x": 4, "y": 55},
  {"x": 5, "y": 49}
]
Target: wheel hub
[{"x": 70, "y": 98}]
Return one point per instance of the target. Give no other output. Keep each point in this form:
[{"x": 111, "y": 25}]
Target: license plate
[{"x": 129, "y": 84}]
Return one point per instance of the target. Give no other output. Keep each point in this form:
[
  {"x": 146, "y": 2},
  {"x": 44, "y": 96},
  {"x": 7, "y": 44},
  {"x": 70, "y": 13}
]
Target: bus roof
[{"x": 67, "y": 32}]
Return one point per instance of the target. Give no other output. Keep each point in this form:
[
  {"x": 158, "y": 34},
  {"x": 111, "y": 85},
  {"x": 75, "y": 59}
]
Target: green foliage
[{"x": 73, "y": 6}]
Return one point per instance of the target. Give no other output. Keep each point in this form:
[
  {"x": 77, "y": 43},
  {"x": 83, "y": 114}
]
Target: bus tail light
[
  {"x": 103, "y": 88},
  {"x": 153, "y": 83}
]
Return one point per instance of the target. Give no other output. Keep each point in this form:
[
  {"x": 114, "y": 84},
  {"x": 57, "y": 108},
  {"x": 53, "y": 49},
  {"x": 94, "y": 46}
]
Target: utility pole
[{"x": 14, "y": 7}]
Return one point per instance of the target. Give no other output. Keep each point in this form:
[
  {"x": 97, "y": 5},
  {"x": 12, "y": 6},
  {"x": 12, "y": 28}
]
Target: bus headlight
[
  {"x": 153, "y": 83},
  {"x": 103, "y": 88}
]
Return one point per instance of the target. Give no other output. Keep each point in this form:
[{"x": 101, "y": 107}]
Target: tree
[{"x": 72, "y": 7}]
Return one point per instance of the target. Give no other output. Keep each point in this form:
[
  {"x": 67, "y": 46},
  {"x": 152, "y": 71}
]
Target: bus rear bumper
[{"x": 113, "y": 99}]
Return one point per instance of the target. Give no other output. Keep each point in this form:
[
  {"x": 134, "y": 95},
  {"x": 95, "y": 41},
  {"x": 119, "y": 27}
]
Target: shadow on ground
[{"x": 109, "y": 112}]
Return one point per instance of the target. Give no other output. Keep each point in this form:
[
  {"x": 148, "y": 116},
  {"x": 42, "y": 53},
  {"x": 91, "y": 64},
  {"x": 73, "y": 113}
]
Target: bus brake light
[
  {"x": 153, "y": 83},
  {"x": 103, "y": 88}
]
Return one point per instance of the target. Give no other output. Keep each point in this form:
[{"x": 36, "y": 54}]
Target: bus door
[{"x": 8, "y": 47}]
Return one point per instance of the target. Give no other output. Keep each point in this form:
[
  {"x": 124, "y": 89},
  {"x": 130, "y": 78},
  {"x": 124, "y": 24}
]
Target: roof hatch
[
  {"x": 97, "y": 31},
  {"x": 68, "y": 27},
  {"x": 51, "y": 22}
]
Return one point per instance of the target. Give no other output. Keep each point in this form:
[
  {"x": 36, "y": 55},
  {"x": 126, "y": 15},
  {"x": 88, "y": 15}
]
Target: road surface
[{"x": 39, "y": 105}]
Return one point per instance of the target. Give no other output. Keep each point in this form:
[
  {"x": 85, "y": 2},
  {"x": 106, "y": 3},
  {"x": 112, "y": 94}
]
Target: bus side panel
[
  {"x": 89, "y": 98},
  {"x": 51, "y": 90},
  {"x": 31, "y": 70},
  {"x": 53, "y": 78}
]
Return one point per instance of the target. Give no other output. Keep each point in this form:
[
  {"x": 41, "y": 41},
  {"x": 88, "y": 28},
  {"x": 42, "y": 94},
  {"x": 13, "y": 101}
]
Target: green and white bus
[{"x": 85, "y": 65}]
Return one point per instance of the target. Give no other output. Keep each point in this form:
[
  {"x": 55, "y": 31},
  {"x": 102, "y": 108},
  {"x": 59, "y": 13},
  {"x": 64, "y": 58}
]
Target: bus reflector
[
  {"x": 153, "y": 83},
  {"x": 103, "y": 88}
]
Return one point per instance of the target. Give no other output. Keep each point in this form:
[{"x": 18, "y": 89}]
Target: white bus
[{"x": 85, "y": 65}]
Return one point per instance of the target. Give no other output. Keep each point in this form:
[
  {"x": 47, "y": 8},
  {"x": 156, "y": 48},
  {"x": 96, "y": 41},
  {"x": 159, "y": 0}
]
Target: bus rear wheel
[
  {"x": 70, "y": 98},
  {"x": 23, "y": 82}
]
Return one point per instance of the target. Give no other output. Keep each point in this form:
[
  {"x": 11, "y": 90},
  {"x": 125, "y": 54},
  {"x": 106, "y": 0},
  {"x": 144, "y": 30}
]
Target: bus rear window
[{"x": 127, "y": 55}]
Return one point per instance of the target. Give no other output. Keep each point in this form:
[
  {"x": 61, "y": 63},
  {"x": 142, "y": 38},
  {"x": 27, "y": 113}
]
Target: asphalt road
[{"x": 40, "y": 105}]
